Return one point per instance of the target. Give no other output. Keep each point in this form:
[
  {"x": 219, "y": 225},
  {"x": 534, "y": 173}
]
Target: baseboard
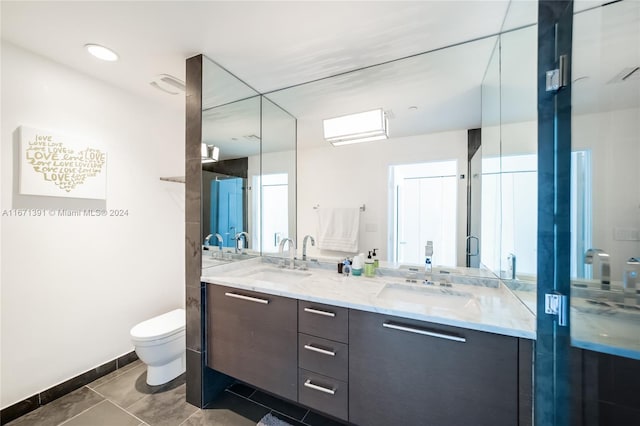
[{"x": 27, "y": 405}]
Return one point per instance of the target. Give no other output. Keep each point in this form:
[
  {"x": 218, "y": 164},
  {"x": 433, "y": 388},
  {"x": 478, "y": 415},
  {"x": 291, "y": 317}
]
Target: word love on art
[
  {"x": 53, "y": 165},
  {"x": 62, "y": 165}
]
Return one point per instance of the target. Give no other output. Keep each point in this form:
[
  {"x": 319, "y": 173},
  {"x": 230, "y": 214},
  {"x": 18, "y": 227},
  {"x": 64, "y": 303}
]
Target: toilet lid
[{"x": 161, "y": 326}]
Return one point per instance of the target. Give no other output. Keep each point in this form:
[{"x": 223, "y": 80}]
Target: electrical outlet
[{"x": 626, "y": 234}]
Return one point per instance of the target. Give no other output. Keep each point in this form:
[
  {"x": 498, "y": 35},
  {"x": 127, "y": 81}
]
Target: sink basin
[
  {"x": 283, "y": 276},
  {"x": 437, "y": 297},
  {"x": 208, "y": 262}
]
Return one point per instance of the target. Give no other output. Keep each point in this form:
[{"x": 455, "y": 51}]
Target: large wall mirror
[
  {"x": 413, "y": 187},
  {"x": 605, "y": 149},
  {"x": 509, "y": 157},
  {"x": 248, "y": 169},
  {"x": 275, "y": 173}
]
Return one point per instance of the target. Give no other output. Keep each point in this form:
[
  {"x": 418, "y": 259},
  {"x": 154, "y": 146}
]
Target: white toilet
[{"x": 160, "y": 343}]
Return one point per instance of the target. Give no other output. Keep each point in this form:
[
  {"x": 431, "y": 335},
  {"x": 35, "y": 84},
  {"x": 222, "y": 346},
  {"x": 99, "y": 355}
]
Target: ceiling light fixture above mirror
[
  {"x": 355, "y": 128},
  {"x": 101, "y": 52},
  {"x": 209, "y": 153}
]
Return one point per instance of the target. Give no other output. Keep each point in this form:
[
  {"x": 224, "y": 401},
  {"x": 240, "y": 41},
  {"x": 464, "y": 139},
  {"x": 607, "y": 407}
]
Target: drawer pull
[
  {"x": 319, "y": 312},
  {"x": 321, "y": 351},
  {"x": 248, "y": 298},
  {"x": 424, "y": 332},
  {"x": 308, "y": 384}
]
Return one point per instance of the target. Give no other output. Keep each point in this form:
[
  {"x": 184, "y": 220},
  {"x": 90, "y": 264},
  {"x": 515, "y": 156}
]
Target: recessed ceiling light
[
  {"x": 413, "y": 108},
  {"x": 101, "y": 52}
]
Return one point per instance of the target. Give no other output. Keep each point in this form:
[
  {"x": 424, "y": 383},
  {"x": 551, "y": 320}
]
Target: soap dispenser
[
  {"x": 428, "y": 253},
  {"x": 376, "y": 262},
  {"x": 369, "y": 267}
]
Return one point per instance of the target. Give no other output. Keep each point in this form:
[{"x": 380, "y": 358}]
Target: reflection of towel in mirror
[{"x": 338, "y": 229}]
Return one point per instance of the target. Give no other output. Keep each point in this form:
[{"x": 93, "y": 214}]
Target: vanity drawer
[
  {"x": 323, "y": 356},
  {"x": 329, "y": 322},
  {"x": 323, "y": 393}
]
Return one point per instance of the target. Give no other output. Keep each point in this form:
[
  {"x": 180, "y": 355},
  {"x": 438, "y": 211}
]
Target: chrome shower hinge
[
  {"x": 558, "y": 78},
  {"x": 556, "y": 304}
]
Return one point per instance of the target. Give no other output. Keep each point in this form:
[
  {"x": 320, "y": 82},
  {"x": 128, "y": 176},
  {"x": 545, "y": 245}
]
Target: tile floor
[{"x": 123, "y": 398}]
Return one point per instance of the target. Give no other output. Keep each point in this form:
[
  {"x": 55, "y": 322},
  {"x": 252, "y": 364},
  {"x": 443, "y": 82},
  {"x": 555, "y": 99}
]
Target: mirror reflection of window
[
  {"x": 509, "y": 194},
  {"x": 520, "y": 198},
  {"x": 490, "y": 217},
  {"x": 275, "y": 213},
  {"x": 425, "y": 210},
  {"x": 512, "y": 189},
  {"x": 581, "y": 213}
]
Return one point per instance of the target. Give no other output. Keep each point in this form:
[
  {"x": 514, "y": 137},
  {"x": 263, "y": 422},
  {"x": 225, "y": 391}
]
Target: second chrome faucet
[
  {"x": 291, "y": 253},
  {"x": 601, "y": 267}
]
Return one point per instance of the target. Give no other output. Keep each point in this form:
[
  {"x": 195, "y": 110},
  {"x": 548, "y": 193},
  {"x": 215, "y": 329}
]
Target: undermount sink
[
  {"x": 208, "y": 262},
  {"x": 438, "y": 297},
  {"x": 283, "y": 276}
]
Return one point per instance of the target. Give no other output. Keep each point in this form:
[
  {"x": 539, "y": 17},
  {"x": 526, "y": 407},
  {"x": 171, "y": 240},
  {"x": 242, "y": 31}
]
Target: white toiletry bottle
[{"x": 356, "y": 269}]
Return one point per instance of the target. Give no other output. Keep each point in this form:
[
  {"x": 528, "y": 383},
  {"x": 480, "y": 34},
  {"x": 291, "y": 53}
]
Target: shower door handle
[{"x": 477, "y": 250}]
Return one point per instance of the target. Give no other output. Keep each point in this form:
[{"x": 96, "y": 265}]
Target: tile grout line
[
  {"x": 305, "y": 416},
  {"x": 187, "y": 419},
  {"x": 83, "y": 411},
  {"x": 117, "y": 405}
]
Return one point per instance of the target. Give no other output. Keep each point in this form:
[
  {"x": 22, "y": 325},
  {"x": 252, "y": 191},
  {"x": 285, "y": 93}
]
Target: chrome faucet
[
  {"x": 292, "y": 251},
  {"x": 304, "y": 245},
  {"x": 220, "y": 242},
  {"x": 629, "y": 279},
  {"x": 244, "y": 236},
  {"x": 600, "y": 260},
  {"x": 206, "y": 239}
]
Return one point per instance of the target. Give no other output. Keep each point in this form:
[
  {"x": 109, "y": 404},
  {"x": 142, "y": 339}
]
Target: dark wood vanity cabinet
[
  {"x": 366, "y": 368},
  {"x": 253, "y": 337},
  {"x": 410, "y": 372}
]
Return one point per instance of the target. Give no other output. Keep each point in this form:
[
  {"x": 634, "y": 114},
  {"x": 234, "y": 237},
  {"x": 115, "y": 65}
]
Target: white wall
[
  {"x": 72, "y": 287},
  {"x": 353, "y": 175}
]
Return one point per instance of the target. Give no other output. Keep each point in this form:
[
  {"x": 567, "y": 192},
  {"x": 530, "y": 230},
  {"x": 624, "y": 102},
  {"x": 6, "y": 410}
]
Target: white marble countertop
[{"x": 478, "y": 307}]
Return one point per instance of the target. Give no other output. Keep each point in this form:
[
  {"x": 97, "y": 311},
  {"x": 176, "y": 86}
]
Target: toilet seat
[{"x": 160, "y": 327}]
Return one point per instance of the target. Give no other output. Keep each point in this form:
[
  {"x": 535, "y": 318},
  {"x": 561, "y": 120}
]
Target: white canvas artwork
[{"x": 56, "y": 166}]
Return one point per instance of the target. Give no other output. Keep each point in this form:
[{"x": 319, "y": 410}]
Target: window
[
  {"x": 424, "y": 209},
  {"x": 275, "y": 210}
]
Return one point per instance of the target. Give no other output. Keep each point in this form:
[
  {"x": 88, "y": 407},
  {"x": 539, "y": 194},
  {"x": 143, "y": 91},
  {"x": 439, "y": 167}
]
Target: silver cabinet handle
[
  {"x": 308, "y": 384},
  {"x": 248, "y": 298},
  {"x": 424, "y": 332},
  {"x": 321, "y": 351},
  {"x": 319, "y": 312}
]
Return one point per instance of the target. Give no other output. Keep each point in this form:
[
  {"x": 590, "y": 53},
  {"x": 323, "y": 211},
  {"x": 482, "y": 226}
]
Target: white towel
[{"x": 338, "y": 229}]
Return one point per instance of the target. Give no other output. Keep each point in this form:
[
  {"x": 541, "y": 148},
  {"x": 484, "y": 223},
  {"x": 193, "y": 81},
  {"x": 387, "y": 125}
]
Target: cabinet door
[
  {"x": 253, "y": 337},
  {"x": 415, "y": 373}
]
